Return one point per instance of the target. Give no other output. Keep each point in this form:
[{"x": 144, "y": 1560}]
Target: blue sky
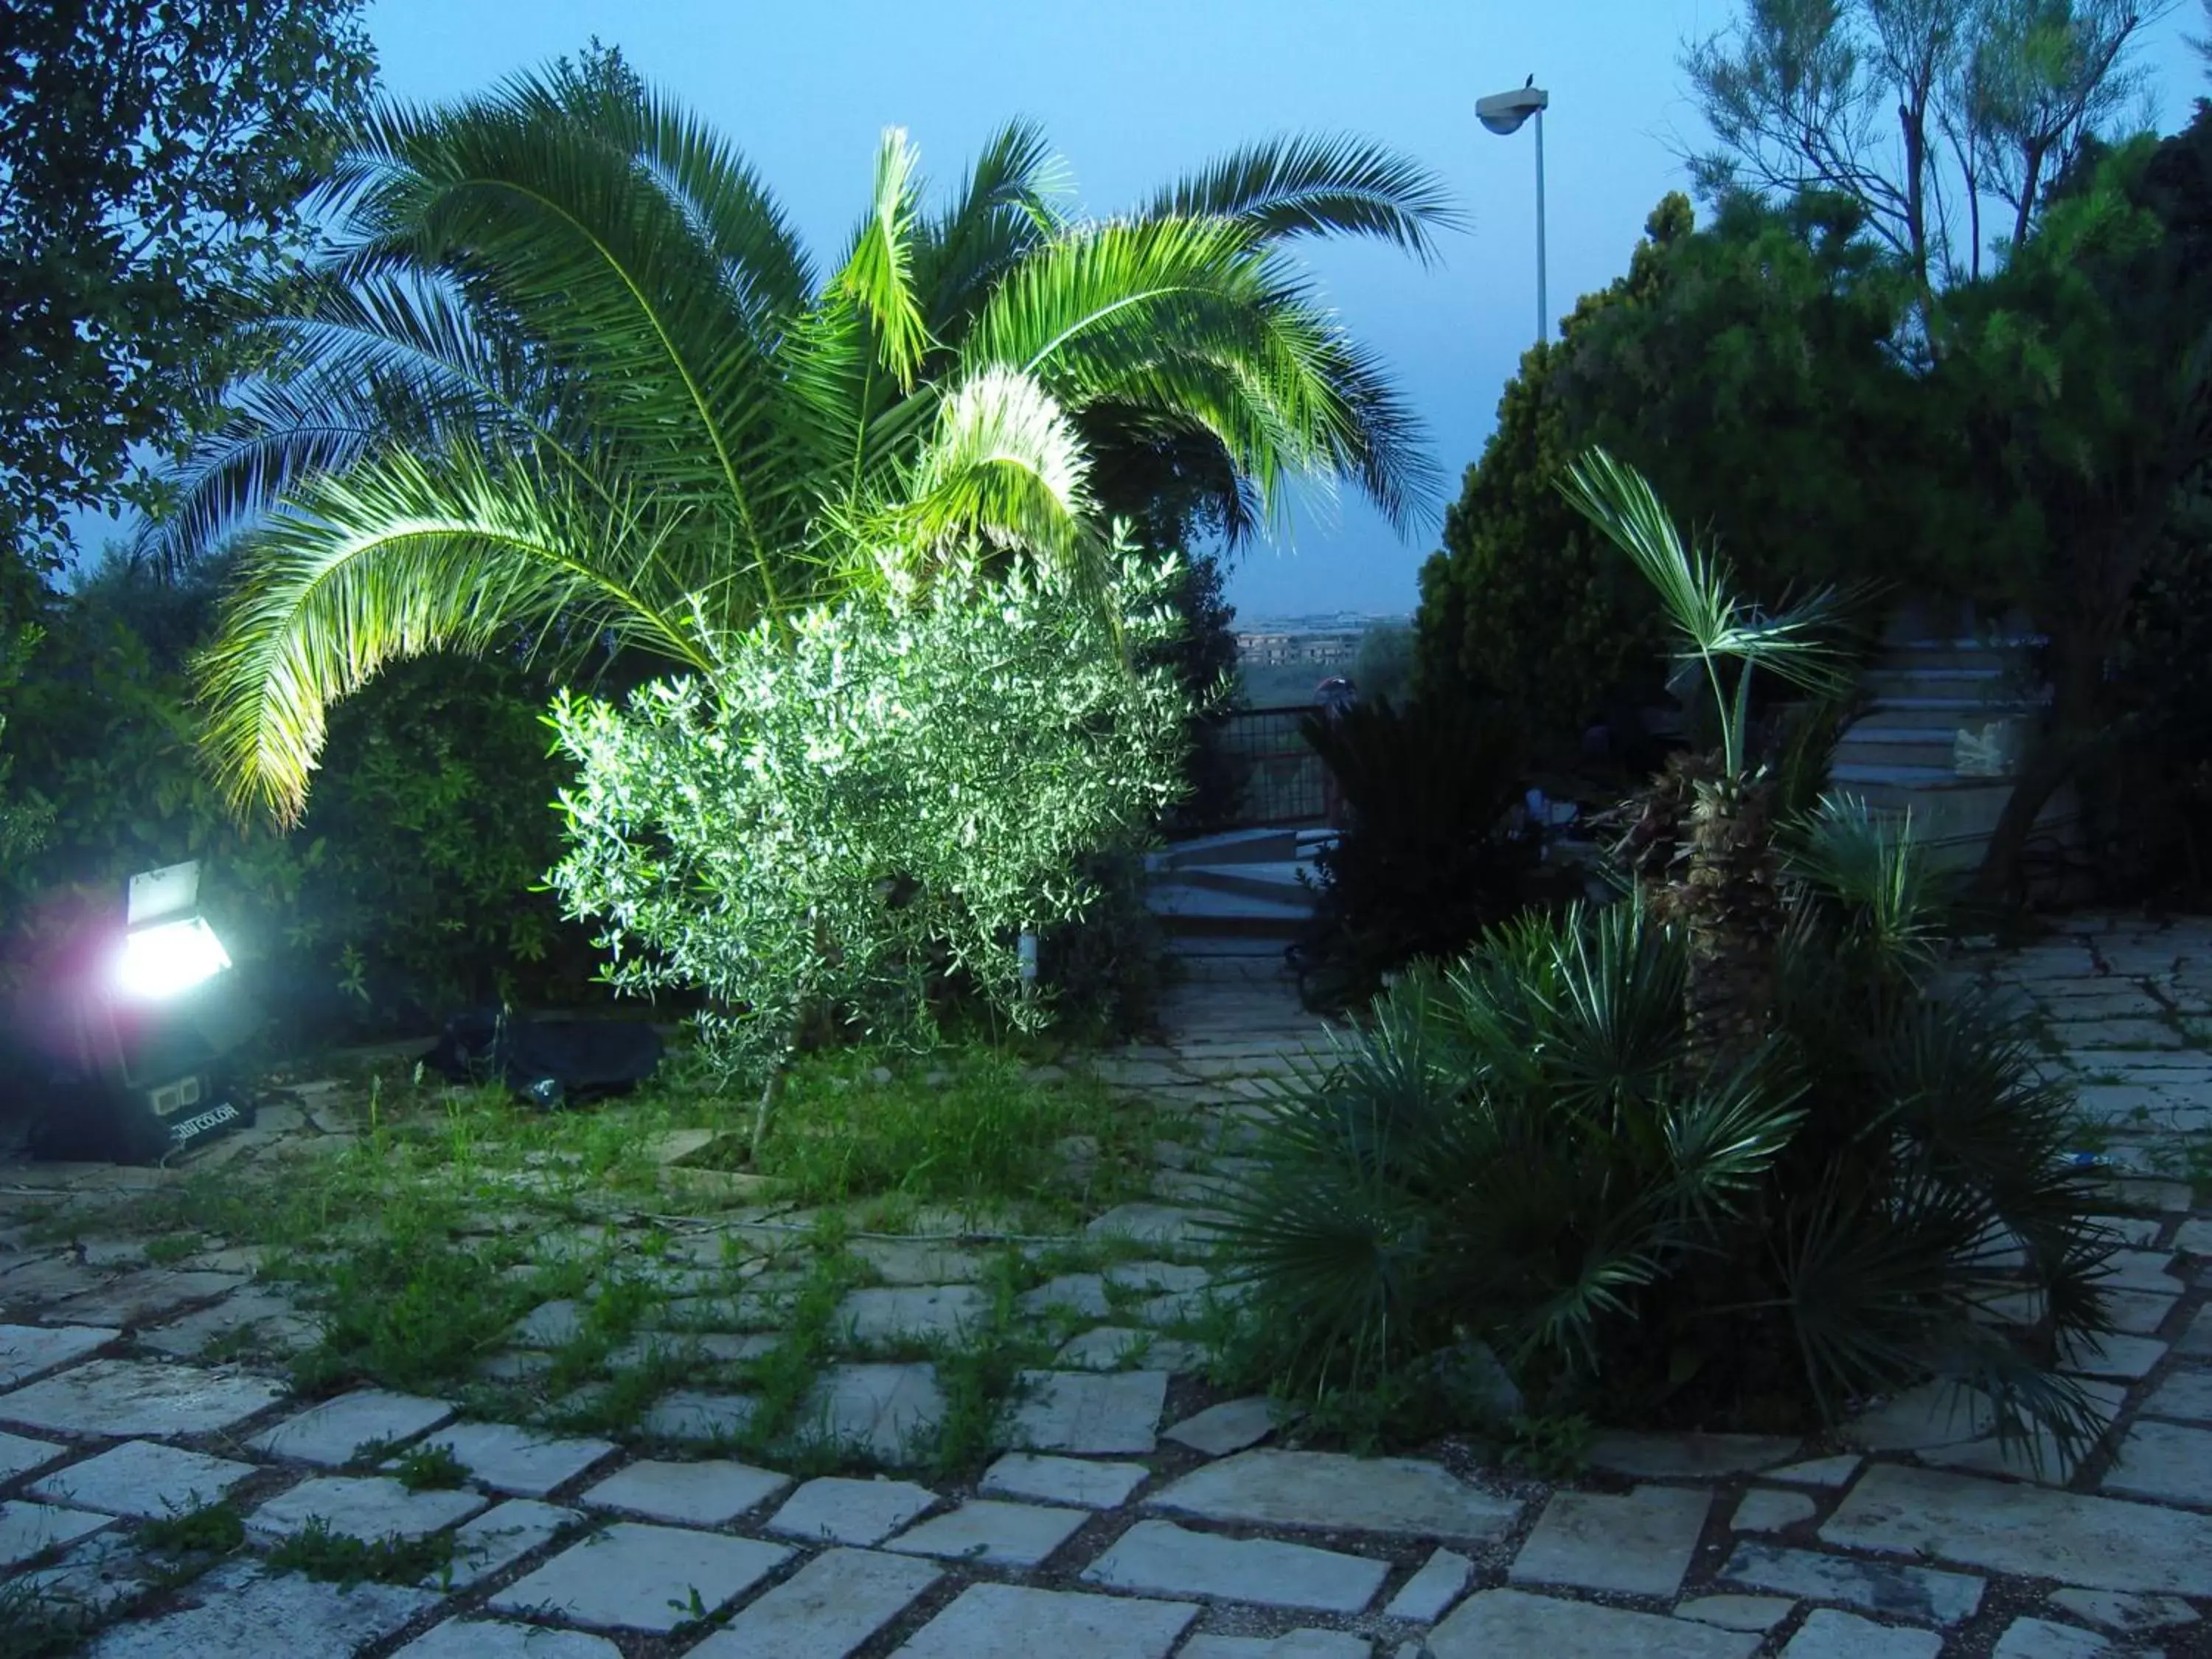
[{"x": 1136, "y": 90}]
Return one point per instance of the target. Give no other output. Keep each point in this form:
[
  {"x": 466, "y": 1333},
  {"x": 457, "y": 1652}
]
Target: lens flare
[{"x": 161, "y": 961}]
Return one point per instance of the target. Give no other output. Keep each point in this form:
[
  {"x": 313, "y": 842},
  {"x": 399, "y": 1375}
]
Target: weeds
[
  {"x": 433, "y": 1468},
  {"x": 339, "y": 1558},
  {"x": 214, "y": 1528},
  {"x": 33, "y": 1627}
]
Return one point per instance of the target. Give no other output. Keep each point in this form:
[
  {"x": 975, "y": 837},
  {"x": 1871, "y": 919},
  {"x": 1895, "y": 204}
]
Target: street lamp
[{"x": 1504, "y": 113}]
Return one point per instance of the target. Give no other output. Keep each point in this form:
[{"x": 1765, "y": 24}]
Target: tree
[
  {"x": 1917, "y": 110},
  {"x": 1750, "y": 369},
  {"x": 1726, "y": 890},
  {"x": 2082, "y": 376},
  {"x": 568, "y": 372},
  {"x": 152, "y": 164}
]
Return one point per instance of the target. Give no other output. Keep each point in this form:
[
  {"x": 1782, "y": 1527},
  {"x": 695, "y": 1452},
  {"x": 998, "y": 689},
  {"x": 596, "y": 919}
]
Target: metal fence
[{"x": 1275, "y": 777}]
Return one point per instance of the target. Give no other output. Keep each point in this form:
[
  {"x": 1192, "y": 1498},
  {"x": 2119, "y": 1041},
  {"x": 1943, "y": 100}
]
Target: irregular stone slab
[
  {"x": 1492, "y": 1623},
  {"x": 1103, "y": 1348},
  {"x": 2128, "y": 1614},
  {"x": 144, "y": 1478},
  {"x": 1884, "y": 1587},
  {"x": 1169, "y": 1225},
  {"x": 1161, "y": 1556},
  {"x": 335, "y": 1432},
  {"x": 2184, "y": 1395},
  {"x": 2098, "y": 1543},
  {"x": 1441, "y": 1580},
  {"x": 1688, "y": 1456},
  {"x": 549, "y": 1325},
  {"x": 687, "y": 1414},
  {"x": 2129, "y": 1358},
  {"x": 93, "y": 1577},
  {"x": 827, "y": 1609},
  {"x": 19, "y": 1455},
  {"x": 1008, "y": 1621},
  {"x": 268, "y": 1318},
  {"x": 1759, "y": 1510},
  {"x": 845, "y": 1512},
  {"x": 511, "y": 1460},
  {"x": 1064, "y": 1480},
  {"x": 709, "y": 1494},
  {"x": 2164, "y": 1461},
  {"x": 26, "y": 1350},
  {"x": 927, "y": 1313},
  {"x": 1639, "y": 1545},
  {"x": 1158, "y": 1276},
  {"x": 639, "y": 1577},
  {"x": 888, "y": 1412},
  {"x": 2137, "y": 1313},
  {"x": 1083, "y": 1294},
  {"x": 1073, "y": 1412},
  {"x": 502, "y": 1535},
  {"x": 1294, "y": 1645},
  {"x": 1932, "y": 1414},
  {"x": 1335, "y": 1491},
  {"x": 368, "y": 1507},
  {"x": 1827, "y": 1634},
  {"x": 2040, "y": 1639},
  {"x": 497, "y": 1639},
  {"x": 29, "y": 1529},
  {"x": 1820, "y": 1472},
  {"x": 999, "y": 1534},
  {"x": 122, "y": 1399},
  {"x": 918, "y": 1261},
  {"x": 1757, "y": 1613},
  {"x": 1228, "y": 1427},
  {"x": 237, "y": 1612},
  {"x": 2140, "y": 1270},
  {"x": 141, "y": 1298}
]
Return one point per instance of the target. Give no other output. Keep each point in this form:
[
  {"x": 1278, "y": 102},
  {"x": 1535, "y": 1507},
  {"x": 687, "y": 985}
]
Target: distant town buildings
[{"x": 1326, "y": 643}]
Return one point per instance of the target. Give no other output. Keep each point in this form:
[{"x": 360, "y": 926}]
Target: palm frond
[
  {"x": 1004, "y": 464},
  {"x": 878, "y": 273},
  {"x": 1319, "y": 185},
  {"x": 397, "y": 559}
]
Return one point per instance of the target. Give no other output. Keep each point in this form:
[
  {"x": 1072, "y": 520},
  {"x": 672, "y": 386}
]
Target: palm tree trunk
[{"x": 1731, "y": 908}]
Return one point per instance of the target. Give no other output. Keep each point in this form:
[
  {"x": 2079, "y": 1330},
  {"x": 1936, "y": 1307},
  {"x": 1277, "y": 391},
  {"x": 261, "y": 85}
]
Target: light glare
[{"x": 161, "y": 961}]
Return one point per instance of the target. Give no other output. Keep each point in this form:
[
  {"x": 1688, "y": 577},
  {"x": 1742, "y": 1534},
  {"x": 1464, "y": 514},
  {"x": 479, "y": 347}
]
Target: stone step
[
  {"x": 1277, "y": 883},
  {"x": 1885, "y": 746},
  {"x": 1989, "y": 682},
  {"x": 1945, "y": 714},
  {"x": 1958, "y": 652}
]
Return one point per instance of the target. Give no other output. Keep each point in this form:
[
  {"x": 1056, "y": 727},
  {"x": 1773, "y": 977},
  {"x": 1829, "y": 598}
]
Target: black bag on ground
[{"x": 549, "y": 1062}]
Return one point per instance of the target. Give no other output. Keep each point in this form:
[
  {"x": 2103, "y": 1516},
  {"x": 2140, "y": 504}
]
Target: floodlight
[{"x": 141, "y": 1042}]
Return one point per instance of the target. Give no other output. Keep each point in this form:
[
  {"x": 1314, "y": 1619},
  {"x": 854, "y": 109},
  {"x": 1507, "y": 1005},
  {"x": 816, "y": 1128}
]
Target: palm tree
[
  {"x": 1706, "y": 834},
  {"x": 567, "y": 374}
]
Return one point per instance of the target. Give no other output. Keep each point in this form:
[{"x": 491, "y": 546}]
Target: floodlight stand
[{"x": 1543, "y": 310}]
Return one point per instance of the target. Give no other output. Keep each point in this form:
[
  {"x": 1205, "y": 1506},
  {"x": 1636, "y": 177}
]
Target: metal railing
[{"x": 1275, "y": 777}]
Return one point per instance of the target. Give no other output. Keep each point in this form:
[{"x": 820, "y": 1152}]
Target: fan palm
[
  {"x": 1725, "y": 887},
  {"x": 567, "y": 375}
]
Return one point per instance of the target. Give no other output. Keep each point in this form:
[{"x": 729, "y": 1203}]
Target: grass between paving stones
[
  {"x": 434, "y": 1468},
  {"x": 216, "y": 1528},
  {"x": 33, "y": 1627},
  {"x": 422, "y": 1239},
  {"x": 340, "y": 1558},
  {"x": 978, "y": 1372}
]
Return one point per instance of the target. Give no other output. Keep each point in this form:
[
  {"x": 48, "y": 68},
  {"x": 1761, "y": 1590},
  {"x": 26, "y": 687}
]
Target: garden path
[{"x": 1130, "y": 1514}]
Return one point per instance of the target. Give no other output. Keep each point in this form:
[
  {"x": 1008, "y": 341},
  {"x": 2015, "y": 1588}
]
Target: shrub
[
  {"x": 1521, "y": 1153},
  {"x": 1433, "y": 851},
  {"x": 849, "y": 816},
  {"x": 407, "y": 889}
]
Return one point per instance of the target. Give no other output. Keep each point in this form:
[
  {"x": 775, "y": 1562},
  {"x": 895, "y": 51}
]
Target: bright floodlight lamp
[
  {"x": 147, "y": 1036},
  {"x": 169, "y": 948},
  {"x": 1504, "y": 113}
]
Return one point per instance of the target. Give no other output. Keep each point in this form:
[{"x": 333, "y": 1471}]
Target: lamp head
[
  {"x": 1504, "y": 111},
  {"x": 169, "y": 947}
]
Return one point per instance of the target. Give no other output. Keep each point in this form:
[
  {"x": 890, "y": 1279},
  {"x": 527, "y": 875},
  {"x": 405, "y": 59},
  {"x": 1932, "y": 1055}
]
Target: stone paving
[{"x": 1131, "y": 1514}]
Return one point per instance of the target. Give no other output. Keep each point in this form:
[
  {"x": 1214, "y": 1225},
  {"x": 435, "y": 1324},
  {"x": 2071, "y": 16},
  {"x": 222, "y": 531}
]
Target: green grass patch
[
  {"x": 431, "y": 1468},
  {"x": 33, "y": 1627},
  {"x": 211, "y": 1529},
  {"x": 339, "y": 1558}
]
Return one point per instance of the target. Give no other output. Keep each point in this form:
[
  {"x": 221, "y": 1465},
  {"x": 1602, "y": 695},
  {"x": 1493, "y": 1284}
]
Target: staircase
[
  {"x": 1944, "y": 737},
  {"x": 1238, "y": 893}
]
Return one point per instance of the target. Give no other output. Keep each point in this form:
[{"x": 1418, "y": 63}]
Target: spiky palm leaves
[
  {"x": 569, "y": 377},
  {"x": 1703, "y": 837},
  {"x": 1528, "y": 1152}
]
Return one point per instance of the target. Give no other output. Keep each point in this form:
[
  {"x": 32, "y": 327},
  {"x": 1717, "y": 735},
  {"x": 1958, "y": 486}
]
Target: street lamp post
[{"x": 1504, "y": 113}]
